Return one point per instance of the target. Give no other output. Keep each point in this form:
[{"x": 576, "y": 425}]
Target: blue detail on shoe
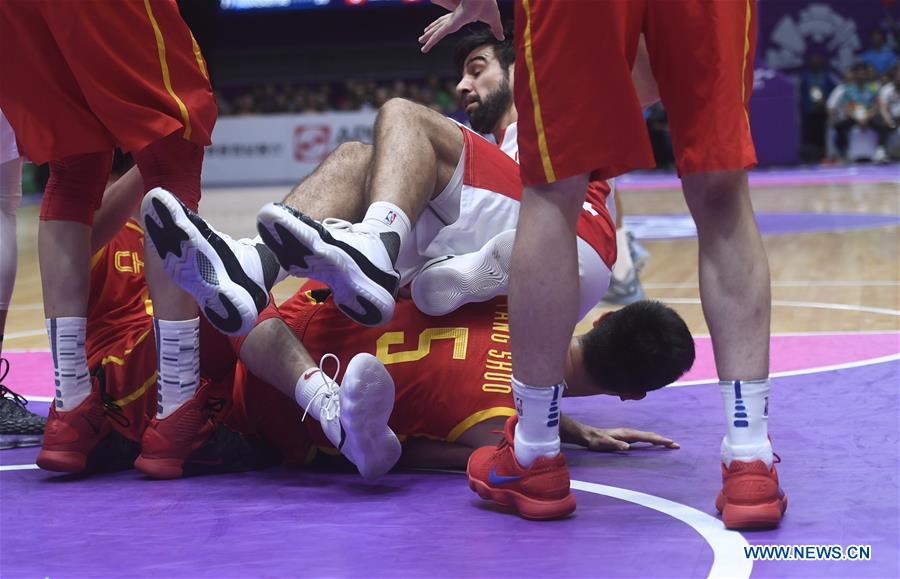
[
  {"x": 737, "y": 389},
  {"x": 740, "y": 415},
  {"x": 739, "y": 408},
  {"x": 496, "y": 479},
  {"x": 553, "y": 422},
  {"x": 741, "y": 423}
]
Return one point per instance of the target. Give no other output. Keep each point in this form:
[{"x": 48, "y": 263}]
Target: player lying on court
[
  {"x": 348, "y": 224},
  {"x": 452, "y": 376}
]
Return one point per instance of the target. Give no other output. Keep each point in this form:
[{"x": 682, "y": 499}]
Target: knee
[
  {"x": 715, "y": 193},
  {"x": 75, "y": 188},
  {"x": 354, "y": 150},
  {"x": 400, "y": 109}
]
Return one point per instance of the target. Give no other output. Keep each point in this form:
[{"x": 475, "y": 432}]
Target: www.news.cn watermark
[{"x": 808, "y": 552}]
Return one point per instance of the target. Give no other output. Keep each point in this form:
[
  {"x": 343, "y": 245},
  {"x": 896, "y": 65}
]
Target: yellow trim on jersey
[
  {"x": 748, "y": 17},
  {"x": 131, "y": 224},
  {"x": 478, "y": 418},
  {"x": 98, "y": 256},
  {"x": 164, "y": 66},
  {"x": 199, "y": 56},
  {"x": 139, "y": 392},
  {"x": 532, "y": 84},
  {"x": 121, "y": 361}
]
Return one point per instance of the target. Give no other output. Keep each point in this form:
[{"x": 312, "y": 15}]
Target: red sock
[{"x": 174, "y": 164}]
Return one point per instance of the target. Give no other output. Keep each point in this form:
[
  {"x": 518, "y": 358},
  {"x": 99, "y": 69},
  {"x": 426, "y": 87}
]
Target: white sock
[
  {"x": 384, "y": 217},
  {"x": 623, "y": 264},
  {"x": 537, "y": 433},
  {"x": 70, "y": 368},
  {"x": 747, "y": 420},
  {"x": 178, "y": 355},
  {"x": 310, "y": 393}
]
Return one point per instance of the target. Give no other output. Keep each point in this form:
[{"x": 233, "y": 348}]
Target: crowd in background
[
  {"x": 349, "y": 95},
  {"x": 854, "y": 118}
]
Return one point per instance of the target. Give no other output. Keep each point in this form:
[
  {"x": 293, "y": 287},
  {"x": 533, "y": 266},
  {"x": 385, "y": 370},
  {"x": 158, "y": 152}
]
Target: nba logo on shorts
[{"x": 390, "y": 217}]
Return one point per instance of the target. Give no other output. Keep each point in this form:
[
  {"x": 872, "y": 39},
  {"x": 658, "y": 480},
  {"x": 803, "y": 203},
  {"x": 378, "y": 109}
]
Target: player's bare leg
[
  {"x": 76, "y": 423},
  {"x": 338, "y": 187},
  {"x": 353, "y": 414},
  {"x": 736, "y": 295},
  {"x": 415, "y": 153},
  {"x": 545, "y": 256}
]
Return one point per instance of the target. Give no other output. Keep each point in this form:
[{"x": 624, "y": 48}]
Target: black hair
[
  {"x": 481, "y": 35},
  {"x": 642, "y": 347}
]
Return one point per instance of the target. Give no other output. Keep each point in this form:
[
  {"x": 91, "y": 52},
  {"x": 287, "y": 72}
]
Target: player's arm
[
  {"x": 642, "y": 76},
  {"x": 607, "y": 439},
  {"x": 427, "y": 453},
  {"x": 121, "y": 200}
]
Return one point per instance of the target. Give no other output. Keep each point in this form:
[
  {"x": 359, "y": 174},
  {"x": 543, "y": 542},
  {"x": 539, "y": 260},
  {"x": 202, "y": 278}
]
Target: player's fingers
[
  {"x": 449, "y": 27},
  {"x": 607, "y": 442},
  {"x": 497, "y": 26},
  {"x": 431, "y": 27},
  {"x": 651, "y": 437}
]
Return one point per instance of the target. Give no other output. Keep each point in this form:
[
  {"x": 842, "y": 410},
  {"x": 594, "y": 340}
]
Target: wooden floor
[{"x": 831, "y": 281}]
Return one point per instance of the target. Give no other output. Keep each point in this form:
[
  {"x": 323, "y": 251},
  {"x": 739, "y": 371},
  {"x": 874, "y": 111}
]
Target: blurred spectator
[
  {"x": 880, "y": 55},
  {"x": 889, "y": 115},
  {"x": 859, "y": 105},
  {"x": 815, "y": 87}
]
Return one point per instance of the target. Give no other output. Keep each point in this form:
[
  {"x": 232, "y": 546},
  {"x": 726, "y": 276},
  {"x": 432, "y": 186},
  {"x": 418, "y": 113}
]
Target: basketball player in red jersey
[
  {"x": 452, "y": 372},
  {"x": 80, "y": 79},
  {"x": 701, "y": 55}
]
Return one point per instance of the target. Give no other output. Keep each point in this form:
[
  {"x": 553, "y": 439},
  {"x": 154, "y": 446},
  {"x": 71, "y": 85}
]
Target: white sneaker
[
  {"x": 229, "y": 279},
  {"x": 354, "y": 263},
  {"x": 354, "y": 415},
  {"x": 447, "y": 283}
]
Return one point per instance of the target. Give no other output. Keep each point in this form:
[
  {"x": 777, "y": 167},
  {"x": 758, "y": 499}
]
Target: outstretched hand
[
  {"x": 611, "y": 439},
  {"x": 462, "y": 12}
]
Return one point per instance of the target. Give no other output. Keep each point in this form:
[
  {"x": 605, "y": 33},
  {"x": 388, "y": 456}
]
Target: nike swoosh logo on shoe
[
  {"x": 310, "y": 373},
  {"x": 496, "y": 479}
]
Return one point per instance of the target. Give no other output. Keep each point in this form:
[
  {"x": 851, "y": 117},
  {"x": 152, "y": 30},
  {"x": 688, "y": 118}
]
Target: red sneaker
[
  {"x": 540, "y": 491},
  {"x": 751, "y": 497},
  {"x": 71, "y": 435},
  {"x": 167, "y": 442}
]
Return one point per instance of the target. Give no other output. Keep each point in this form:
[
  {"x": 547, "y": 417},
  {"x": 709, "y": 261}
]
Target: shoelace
[
  {"x": 6, "y": 392},
  {"x": 342, "y": 224},
  {"x": 328, "y": 390},
  {"x": 110, "y": 406}
]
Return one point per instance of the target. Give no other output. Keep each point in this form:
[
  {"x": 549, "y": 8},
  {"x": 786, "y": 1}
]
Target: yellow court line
[{"x": 164, "y": 66}]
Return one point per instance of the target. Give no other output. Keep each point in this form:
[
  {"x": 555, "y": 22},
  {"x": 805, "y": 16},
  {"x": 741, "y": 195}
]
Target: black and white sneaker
[
  {"x": 230, "y": 279},
  {"x": 353, "y": 262},
  {"x": 447, "y": 283},
  {"x": 18, "y": 426}
]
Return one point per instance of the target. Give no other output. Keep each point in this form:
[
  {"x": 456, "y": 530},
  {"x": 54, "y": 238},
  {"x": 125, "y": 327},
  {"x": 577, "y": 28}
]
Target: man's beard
[{"x": 492, "y": 108}]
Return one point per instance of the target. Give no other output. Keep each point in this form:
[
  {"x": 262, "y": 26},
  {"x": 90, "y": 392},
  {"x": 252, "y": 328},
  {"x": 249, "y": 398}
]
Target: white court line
[
  {"x": 787, "y": 303},
  {"x": 25, "y": 334},
  {"x": 727, "y": 546},
  {"x": 802, "y": 372},
  {"x": 9, "y": 467}
]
